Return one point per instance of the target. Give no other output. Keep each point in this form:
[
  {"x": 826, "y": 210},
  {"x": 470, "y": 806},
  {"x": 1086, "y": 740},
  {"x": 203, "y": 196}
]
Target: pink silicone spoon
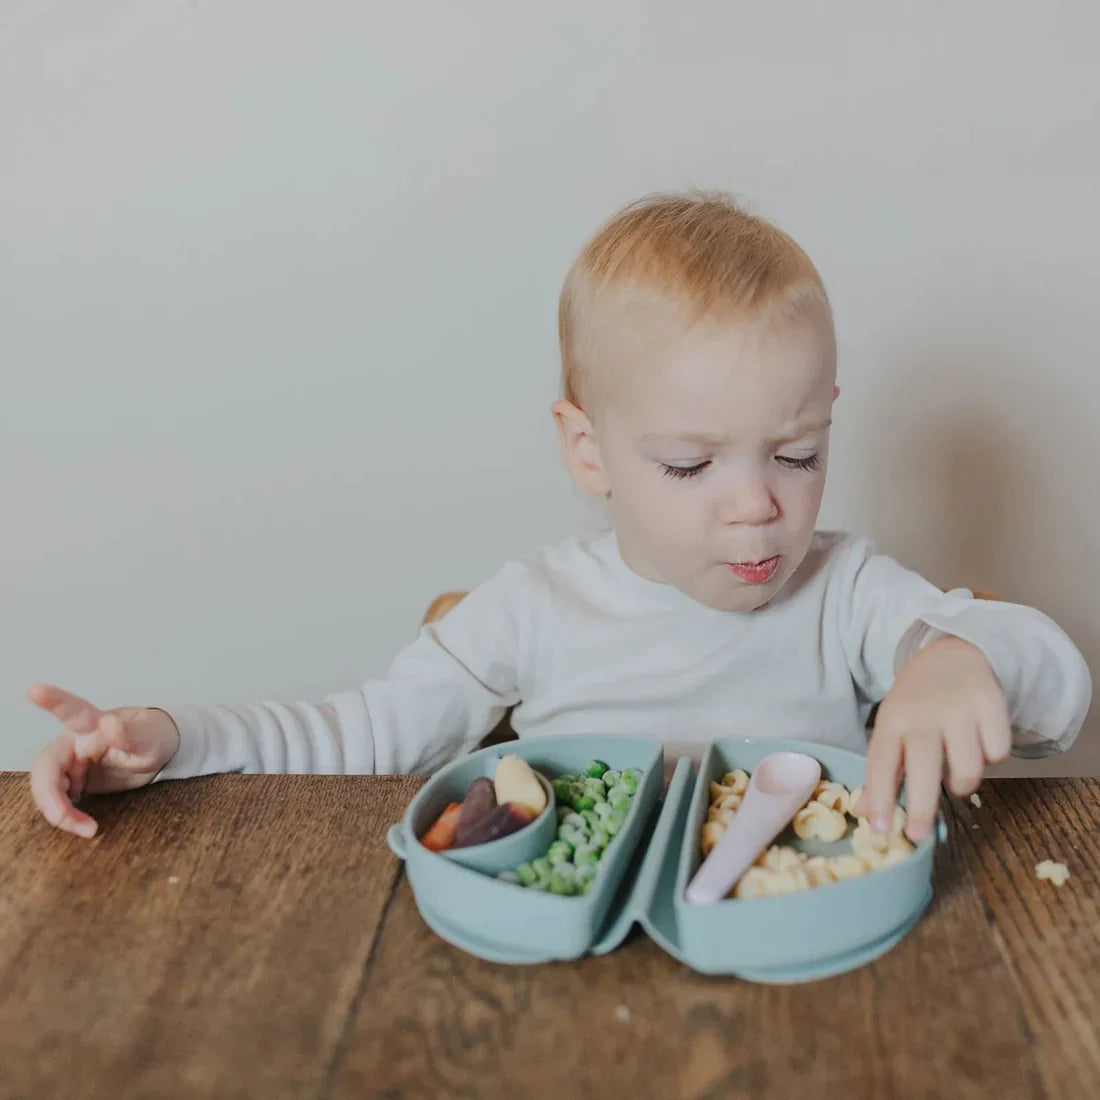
[{"x": 780, "y": 786}]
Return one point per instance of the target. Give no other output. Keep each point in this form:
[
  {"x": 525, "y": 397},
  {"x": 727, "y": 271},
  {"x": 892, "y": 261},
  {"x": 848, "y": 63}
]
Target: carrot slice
[{"x": 442, "y": 833}]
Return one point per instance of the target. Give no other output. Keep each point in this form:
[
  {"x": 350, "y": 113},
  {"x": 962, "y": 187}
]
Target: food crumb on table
[
  {"x": 1052, "y": 870},
  {"x": 975, "y": 801},
  {"x": 173, "y": 878},
  {"x": 622, "y": 1013}
]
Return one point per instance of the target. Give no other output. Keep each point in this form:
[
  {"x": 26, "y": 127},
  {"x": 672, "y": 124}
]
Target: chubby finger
[
  {"x": 76, "y": 713},
  {"x": 50, "y": 787},
  {"x": 995, "y": 732},
  {"x": 923, "y": 775},
  {"x": 883, "y": 769},
  {"x": 965, "y": 760}
]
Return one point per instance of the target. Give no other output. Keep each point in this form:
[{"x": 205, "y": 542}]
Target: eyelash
[{"x": 811, "y": 463}]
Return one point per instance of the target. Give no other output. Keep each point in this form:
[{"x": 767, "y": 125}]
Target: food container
[
  {"x": 644, "y": 873},
  {"x": 503, "y": 854}
]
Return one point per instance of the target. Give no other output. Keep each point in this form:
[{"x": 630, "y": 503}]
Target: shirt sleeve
[
  {"x": 892, "y": 612},
  {"x": 439, "y": 697}
]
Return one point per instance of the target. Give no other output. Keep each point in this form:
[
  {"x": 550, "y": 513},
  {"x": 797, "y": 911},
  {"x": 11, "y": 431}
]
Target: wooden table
[{"x": 242, "y": 936}]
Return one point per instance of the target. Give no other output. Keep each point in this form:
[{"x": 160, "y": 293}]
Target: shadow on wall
[{"x": 991, "y": 485}]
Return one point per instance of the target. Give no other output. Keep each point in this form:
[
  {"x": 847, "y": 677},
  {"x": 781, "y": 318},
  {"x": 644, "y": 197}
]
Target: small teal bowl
[{"x": 504, "y": 854}]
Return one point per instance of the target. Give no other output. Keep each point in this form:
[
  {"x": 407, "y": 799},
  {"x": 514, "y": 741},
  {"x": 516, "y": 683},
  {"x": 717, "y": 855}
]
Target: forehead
[{"x": 725, "y": 378}]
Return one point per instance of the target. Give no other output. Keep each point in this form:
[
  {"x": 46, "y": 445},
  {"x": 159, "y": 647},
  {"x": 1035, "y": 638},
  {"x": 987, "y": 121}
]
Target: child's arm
[
  {"x": 440, "y": 696},
  {"x": 969, "y": 679}
]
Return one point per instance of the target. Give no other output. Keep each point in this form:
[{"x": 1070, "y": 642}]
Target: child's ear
[{"x": 579, "y": 449}]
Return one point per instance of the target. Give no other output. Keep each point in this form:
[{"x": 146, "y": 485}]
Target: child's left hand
[{"x": 946, "y": 697}]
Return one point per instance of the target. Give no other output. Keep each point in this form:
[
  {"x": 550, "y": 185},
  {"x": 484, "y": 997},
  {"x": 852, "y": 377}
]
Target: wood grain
[
  {"x": 237, "y": 980},
  {"x": 289, "y": 960},
  {"x": 1049, "y": 936},
  {"x": 939, "y": 1014}
]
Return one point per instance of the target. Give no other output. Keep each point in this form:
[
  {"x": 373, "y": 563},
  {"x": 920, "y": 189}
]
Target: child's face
[{"x": 712, "y": 456}]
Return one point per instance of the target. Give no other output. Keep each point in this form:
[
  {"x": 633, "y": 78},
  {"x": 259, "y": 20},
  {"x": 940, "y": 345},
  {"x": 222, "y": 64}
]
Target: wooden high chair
[{"x": 503, "y": 730}]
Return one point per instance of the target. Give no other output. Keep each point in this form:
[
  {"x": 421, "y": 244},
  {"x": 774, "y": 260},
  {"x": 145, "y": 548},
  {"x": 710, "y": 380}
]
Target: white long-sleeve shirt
[{"x": 578, "y": 642}]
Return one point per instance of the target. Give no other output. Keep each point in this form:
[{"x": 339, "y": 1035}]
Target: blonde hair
[{"x": 696, "y": 252}]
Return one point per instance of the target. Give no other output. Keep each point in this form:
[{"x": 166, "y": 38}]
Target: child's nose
[{"x": 750, "y": 501}]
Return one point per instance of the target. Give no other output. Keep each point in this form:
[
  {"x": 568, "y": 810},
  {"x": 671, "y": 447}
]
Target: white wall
[{"x": 278, "y": 287}]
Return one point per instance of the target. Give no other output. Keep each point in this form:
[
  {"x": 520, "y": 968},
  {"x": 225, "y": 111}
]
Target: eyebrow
[{"x": 708, "y": 440}]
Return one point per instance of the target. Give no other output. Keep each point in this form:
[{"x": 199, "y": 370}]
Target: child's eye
[
  {"x": 811, "y": 463},
  {"x": 683, "y": 471}
]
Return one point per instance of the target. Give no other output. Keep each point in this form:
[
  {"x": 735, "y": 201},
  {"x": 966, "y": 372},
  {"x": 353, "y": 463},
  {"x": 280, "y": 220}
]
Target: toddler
[{"x": 698, "y": 369}]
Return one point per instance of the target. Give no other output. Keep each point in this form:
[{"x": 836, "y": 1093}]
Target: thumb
[{"x": 111, "y": 732}]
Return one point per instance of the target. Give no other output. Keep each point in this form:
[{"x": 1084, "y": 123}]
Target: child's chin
[{"x": 741, "y": 599}]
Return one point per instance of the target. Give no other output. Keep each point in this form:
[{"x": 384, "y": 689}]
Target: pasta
[
  {"x": 712, "y": 833},
  {"x": 778, "y": 858},
  {"x": 783, "y": 869},
  {"x": 833, "y": 795},
  {"x": 816, "y": 821},
  {"x": 737, "y": 781},
  {"x": 1052, "y": 871}
]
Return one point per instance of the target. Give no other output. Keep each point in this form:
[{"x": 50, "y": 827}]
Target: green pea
[
  {"x": 560, "y": 851},
  {"x": 526, "y": 874},
  {"x": 586, "y": 853},
  {"x": 603, "y": 808},
  {"x": 595, "y": 789},
  {"x": 601, "y": 838},
  {"x": 584, "y": 802},
  {"x": 542, "y": 868},
  {"x": 586, "y": 875},
  {"x": 611, "y": 777},
  {"x": 613, "y": 823},
  {"x": 595, "y": 768},
  {"x": 630, "y": 780}
]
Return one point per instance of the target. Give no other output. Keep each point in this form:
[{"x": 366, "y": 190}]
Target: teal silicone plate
[
  {"x": 791, "y": 938},
  {"x": 499, "y": 920}
]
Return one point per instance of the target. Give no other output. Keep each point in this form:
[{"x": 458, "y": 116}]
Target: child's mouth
[{"x": 758, "y": 572}]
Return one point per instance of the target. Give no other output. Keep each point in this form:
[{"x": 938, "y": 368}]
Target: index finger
[
  {"x": 880, "y": 791},
  {"x": 76, "y": 713}
]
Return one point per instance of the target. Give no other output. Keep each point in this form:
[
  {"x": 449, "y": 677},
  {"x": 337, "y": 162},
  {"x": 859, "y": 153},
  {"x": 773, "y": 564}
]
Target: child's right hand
[{"x": 100, "y": 751}]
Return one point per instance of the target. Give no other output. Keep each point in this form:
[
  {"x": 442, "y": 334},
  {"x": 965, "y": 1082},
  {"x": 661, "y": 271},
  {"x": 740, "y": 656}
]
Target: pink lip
[{"x": 759, "y": 572}]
